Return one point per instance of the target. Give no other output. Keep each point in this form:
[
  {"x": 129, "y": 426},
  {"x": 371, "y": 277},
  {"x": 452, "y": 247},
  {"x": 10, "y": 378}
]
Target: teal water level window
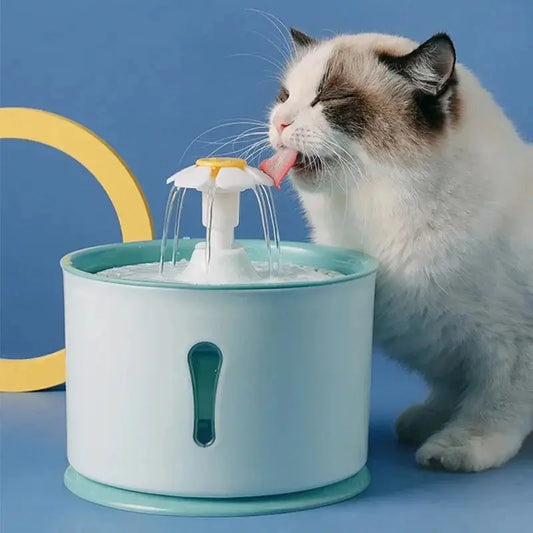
[{"x": 205, "y": 361}]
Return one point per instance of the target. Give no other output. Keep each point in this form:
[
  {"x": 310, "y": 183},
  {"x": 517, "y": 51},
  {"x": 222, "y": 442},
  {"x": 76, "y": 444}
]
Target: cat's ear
[
  {"x": 301, "y": 40},
  {"x": 430, "y": 66}
]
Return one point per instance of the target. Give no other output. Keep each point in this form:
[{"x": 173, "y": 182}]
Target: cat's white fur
[{"x": 453, "y": 231}]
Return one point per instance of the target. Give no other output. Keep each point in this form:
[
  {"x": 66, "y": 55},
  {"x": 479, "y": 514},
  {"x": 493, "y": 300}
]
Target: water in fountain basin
[{"x": 172, "y": 272}]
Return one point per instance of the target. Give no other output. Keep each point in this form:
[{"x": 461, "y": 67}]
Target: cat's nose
[{"x": 280, "y": 126}]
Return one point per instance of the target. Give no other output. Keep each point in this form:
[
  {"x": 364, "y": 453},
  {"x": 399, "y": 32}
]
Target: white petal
[
  {"x": 234, "y": 179},
  {"x": 260, "y": 177},
  {"x": 192, "y": 177}
]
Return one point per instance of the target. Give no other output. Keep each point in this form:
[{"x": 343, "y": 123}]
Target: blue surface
[
  {"x": 401, "y": 497},
  {"x": 141, "y": 73}
]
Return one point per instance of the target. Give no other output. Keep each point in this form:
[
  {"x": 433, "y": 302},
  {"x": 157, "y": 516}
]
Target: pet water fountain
[{"x": 216, "y": 378}]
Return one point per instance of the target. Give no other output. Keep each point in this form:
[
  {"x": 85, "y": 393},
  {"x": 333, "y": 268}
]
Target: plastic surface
[
  {"x": 223, "y": 173},
  {"x": 216, "y": 163},
  {"x": 220, "y": 212},
  {"x": 225, "y": 266},
  {"x": 175, "y": 505},
  {"x": 291, "y": 405},
  {"x": 73, "y": 139}
]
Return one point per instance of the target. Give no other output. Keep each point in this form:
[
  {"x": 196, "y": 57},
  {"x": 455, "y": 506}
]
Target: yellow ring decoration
[{"x": 120, "y": 185}]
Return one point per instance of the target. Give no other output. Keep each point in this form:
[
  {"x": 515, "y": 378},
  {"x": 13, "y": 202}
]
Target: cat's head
[{"x": 358, "y": 99}]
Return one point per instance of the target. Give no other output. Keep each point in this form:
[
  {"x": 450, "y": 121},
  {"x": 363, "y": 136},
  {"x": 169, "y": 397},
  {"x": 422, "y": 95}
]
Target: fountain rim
[{"x": 88, "y": 262}]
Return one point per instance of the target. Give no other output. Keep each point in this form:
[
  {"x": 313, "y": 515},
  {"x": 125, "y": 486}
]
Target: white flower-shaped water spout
[
  {"x": 221, "y": 181},
  {"x": 225, "y": 174}
]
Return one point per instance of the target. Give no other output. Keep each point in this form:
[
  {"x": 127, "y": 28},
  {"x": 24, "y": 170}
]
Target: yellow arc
[{"x": 120, "y": 185}]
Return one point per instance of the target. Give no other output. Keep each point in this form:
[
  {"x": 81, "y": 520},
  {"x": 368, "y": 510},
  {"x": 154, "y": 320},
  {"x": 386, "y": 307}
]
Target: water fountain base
[
  {"x": 230, "y": 265},
  {"x": 141, "y": 502}
]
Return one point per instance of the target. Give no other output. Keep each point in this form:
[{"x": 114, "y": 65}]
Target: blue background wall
[{"x": 150, "y": 75}]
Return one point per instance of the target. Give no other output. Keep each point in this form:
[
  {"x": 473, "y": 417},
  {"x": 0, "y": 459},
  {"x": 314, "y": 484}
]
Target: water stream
[
  {"x": 177, "y": 223},
  {"x": 208, "y": 230},
  {"x": 166, "y": 224},
  {"x": 267, "y": 214}
]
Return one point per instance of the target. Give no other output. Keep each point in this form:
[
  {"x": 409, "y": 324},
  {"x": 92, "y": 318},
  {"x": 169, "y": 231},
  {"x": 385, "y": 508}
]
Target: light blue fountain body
[{"x": 225, "y": 399}]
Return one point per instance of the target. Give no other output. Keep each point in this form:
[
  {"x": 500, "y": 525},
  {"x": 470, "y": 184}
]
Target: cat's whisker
[
  {"x": 280, "y": 27},
  {"x": 282, "y": 52},
  {"x": 221, "y": 142},
  {"x": 269, "y": 78},
  {"x": 260, "y": 155},
  {"x": 233, "y": 139},
  {"x": 246, "y": 139},
  {"x": 234, "y": 122},
  {"x": 349, "y": 155},
  {"x": 247, "y": 152},
  {"x": 279, "y": 67},
  {"x": 335, "y": 146},
  {"x": 238, "y": 152},
  {"x": 237, "y": 139},
  {"x": 217, "y": 150},
  {"x": 314, "y": 166},
  {"x": 254, "y": 149}
]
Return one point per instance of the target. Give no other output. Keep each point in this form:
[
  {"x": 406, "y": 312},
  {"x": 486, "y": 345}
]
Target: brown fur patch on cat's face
[{"x": 365, "y": 95}]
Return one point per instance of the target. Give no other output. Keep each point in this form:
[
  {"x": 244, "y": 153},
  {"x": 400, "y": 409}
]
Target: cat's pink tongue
[{"x": 278, "y": 166}]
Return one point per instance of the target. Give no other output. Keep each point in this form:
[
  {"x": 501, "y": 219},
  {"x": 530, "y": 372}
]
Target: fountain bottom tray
[{"x": 142, "y": 502}]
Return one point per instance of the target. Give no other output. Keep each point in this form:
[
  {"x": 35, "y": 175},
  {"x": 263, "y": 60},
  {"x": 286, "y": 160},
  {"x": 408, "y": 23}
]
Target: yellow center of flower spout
[{"x": 216, "y": 163}]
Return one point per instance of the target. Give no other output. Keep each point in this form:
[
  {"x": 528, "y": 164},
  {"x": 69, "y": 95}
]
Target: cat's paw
[
  {"x": 459, "y": 451},
  {"x": 417, "y": 423}
]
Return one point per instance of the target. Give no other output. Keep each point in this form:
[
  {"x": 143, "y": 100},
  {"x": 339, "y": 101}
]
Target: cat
[{"x": 396, "y": 150}]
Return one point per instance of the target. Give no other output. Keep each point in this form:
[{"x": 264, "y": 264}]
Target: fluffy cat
[{"x": 398, "y": 151}]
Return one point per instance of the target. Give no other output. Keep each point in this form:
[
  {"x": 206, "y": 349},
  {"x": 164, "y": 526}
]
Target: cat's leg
[
  {"x": 492, "y": 420},
  {"x": 419, "y": 421}
]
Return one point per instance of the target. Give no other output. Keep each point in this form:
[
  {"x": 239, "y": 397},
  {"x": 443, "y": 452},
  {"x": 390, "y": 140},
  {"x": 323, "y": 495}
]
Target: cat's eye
[
  {"x": 331, "y": 98},
  {"x": 283, "y": 95}
]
